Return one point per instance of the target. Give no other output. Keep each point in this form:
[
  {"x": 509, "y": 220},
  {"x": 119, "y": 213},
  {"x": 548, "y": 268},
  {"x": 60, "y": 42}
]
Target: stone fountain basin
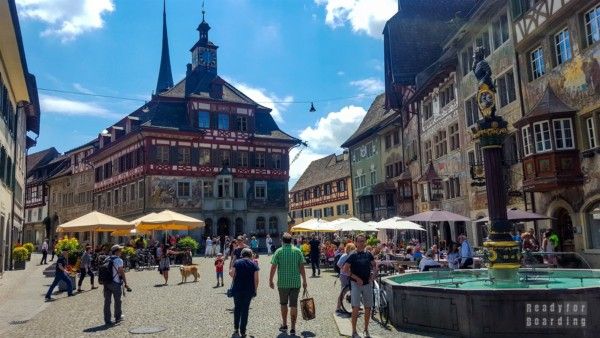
[{"x": 549, "y": 303}]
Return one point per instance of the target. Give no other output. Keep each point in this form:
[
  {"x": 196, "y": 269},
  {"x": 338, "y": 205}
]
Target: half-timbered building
[
  {"x": 558, "y": 43},
  {"x": 323, "y": 191},
  {"x": 200, "y": 147}
]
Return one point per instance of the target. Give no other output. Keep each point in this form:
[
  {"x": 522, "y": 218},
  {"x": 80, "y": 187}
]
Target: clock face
[
  {"x": 486, "y": 101},
  {"x": 207, "y": 57}
]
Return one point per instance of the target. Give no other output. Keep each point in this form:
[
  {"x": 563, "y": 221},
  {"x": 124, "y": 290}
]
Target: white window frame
[
  {"x": 564, "y": 136},
  {"x": 527, "y": 144},
  {"x": 260, "y": 184},
  {"x": 543, "y": 137},
  {"x": 562, "y": 45},
  {"x": 535, "y": 61},
  {"x": 591, "y": 132},
  {"x": 593, "y": 36}
]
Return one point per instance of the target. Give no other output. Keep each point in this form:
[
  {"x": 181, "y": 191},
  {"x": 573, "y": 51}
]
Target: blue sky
[{"x": 274, "y": 51}]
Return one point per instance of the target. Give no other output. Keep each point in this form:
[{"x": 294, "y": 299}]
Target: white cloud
[
  {"x": 265, "y": 98},
  {"x": 365, "y": 16},
  {"x": 329, "y": 132},
  {"x": 66, "y": 19},
  {"x": 82, "y": 89},
  {"x": 370, "y": 86},
  {"x": 61, "y": 106},
  {"x": 325, "y": 138}
]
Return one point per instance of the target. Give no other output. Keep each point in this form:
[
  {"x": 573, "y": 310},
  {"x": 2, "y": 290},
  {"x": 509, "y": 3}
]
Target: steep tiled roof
[
  {"x": 40, "y": 158},
  {"x": 323, "y": 170},
  {"x": 414, "y": 36},
  {"x": 267, "y": 128},
  {"x": 376, "y": 118},
  {"x": 548, "y": 106}
]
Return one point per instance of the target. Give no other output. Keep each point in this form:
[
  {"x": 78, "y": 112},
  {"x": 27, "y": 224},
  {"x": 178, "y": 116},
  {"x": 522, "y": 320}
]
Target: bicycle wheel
[
  {"x": 345, "y": 299},
  {"x": 384, "y": 315}
]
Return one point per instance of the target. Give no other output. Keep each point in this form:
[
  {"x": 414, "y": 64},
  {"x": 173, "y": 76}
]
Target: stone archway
[
  {"x": 223, "y": 225},
  {"x": 562, "y": 224}
]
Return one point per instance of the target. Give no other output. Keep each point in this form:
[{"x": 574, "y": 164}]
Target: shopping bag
[{"x": 307, "y": 304}]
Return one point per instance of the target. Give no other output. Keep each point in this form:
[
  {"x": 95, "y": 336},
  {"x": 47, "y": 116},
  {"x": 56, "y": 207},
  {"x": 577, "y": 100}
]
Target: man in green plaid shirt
[{"x": 288, "y": 261}]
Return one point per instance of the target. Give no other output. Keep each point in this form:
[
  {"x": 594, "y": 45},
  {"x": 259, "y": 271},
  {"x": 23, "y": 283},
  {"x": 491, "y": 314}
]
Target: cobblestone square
[{"x": 190, "y": 309}]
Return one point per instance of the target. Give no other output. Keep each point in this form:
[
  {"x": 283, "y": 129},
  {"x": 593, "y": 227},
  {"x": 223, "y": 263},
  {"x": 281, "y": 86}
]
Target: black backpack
[
  {"x": 105, "y": 272},
  {"x": 336, "y": 268}
]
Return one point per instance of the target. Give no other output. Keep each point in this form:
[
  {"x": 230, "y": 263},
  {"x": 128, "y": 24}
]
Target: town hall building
[{"x": 200, "y": 147}]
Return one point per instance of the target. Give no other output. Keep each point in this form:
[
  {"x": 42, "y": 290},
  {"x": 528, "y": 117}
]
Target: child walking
[{"x": 219, "y": 262}]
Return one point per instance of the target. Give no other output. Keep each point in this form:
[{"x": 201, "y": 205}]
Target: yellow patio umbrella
[
  {"x": 126, "y": 232},
  {"x": 167, "y": 220},
  {"x": 95, "y": 221}
]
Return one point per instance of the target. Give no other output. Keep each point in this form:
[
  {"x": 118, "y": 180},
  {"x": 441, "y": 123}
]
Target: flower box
[{"x": 19, "y": 265}]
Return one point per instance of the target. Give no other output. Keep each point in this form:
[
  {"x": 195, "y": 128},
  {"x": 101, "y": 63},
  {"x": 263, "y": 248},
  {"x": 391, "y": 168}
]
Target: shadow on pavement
[{"x": 98, "y": 328}]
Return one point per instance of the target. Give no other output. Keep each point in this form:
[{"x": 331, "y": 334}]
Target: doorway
[
  {"x": 223, "y": 227},
  {"x": 563, "y": 226}
]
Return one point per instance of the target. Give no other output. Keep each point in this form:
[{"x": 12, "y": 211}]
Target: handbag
[
  {"x": 230, "y": 291},
  {"x": 307, "y": 305}
]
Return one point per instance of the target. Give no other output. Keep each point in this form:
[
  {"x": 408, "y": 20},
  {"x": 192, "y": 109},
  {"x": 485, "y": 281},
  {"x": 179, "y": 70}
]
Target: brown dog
[{"x": 187, "y": 270}]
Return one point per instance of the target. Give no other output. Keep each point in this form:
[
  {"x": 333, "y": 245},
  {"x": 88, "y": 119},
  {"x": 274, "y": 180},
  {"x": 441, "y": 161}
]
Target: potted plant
[
  {"x": 30, "y": 248},
  {"x": 19, "y": 256}
]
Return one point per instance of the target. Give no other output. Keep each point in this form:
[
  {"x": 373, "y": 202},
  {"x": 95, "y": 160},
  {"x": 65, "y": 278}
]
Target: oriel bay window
[
  {"x": 550, "y": 158},
  {"x": 224, "y": 187}
]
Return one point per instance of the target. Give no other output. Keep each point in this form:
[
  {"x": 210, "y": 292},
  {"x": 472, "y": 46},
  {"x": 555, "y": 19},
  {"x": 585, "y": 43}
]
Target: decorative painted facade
[
  {"x": 323, "y": 191},
  {"x": 559, "y": 53}
]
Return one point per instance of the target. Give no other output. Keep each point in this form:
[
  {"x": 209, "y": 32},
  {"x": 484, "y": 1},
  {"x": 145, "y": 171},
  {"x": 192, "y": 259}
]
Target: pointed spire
[
  {"x": 203, "y": 28},
  {"x": 165, "y": 76}
]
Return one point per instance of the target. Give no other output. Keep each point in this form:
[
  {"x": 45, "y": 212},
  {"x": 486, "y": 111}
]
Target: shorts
[
  {"x": 220, "y": 274},
  {"x": 344, "y": 281},
  {"x": 364, "y": 292},
  {"x": 289, "y": 297}
]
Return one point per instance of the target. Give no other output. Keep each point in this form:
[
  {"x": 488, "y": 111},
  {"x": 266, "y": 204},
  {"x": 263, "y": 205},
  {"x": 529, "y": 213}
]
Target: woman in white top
[
  {"x": 164, "y": 263},
  {"x": 209, "y": 249},
  {"x": 454, "y": 257}
]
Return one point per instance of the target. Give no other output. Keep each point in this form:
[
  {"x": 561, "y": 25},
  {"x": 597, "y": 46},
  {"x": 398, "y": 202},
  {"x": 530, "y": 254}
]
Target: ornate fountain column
[{"x": 502, "y": 252}]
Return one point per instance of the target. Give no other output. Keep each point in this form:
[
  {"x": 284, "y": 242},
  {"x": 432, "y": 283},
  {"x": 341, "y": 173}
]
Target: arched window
[
  {"x": 239, "y": 226},
  {"x": 260, "y": 225},
  {"x": 273, "y": 226},
  {"x": 208, "y": 227}
]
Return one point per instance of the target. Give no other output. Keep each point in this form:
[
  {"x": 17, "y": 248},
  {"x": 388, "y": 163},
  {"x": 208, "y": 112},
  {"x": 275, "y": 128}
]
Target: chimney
[{"x": 346, "y": 155}]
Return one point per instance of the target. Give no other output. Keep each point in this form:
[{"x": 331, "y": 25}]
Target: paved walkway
[
  {"x": 191, "y": 309},
  {"x": 21, "y": 297}
]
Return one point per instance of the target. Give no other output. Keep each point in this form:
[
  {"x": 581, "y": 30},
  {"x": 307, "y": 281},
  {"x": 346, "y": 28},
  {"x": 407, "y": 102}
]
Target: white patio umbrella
[
  {"x": 354, "y": 224},
  {"x": 314, "y": 225},
  {"x": 397, "y": 223}
]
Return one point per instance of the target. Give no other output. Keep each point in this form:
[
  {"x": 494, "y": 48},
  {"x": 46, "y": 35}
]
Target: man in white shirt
[
  {"x": 466, "y": 252},
  {"x": 114, "y": 289},
  {"x": 427, "y": 262},
  {"x": 269, "y": 242}
]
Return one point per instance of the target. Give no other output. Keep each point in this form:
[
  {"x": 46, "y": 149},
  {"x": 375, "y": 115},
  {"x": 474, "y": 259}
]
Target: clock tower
[{"x": 204, "y": 52}]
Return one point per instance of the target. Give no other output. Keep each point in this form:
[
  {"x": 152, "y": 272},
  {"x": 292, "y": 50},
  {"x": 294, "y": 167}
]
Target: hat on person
[
  {"x": 219, "y": 254},
  {"x": 115, "y": 248}
]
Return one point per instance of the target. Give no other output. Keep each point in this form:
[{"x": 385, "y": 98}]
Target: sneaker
[
  {"x": 120, "y": 319},
  {"x": 109, "y": 323},
  {"x": 283, "y": 328},
  {"x": 355, "y": 335},
  {"x": 319, "y": 272},
  {"x": 48, "y": 299},
  {"x": 236, "y": 333},
  {"x": 94, "y": 287},
  {"x": 366, "y": 334},
  {"x": 79, "y": 290},
  {"x": 292, "y": 332}
]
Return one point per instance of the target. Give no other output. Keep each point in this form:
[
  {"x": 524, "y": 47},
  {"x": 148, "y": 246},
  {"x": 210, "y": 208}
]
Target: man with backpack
[{"x": 112, "y": 275}]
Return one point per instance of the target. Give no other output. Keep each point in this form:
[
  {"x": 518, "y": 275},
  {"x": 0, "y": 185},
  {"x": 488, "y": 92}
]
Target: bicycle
[
  {"x": 380, "y": 301},
  {"x": 381, "y": 305}
]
